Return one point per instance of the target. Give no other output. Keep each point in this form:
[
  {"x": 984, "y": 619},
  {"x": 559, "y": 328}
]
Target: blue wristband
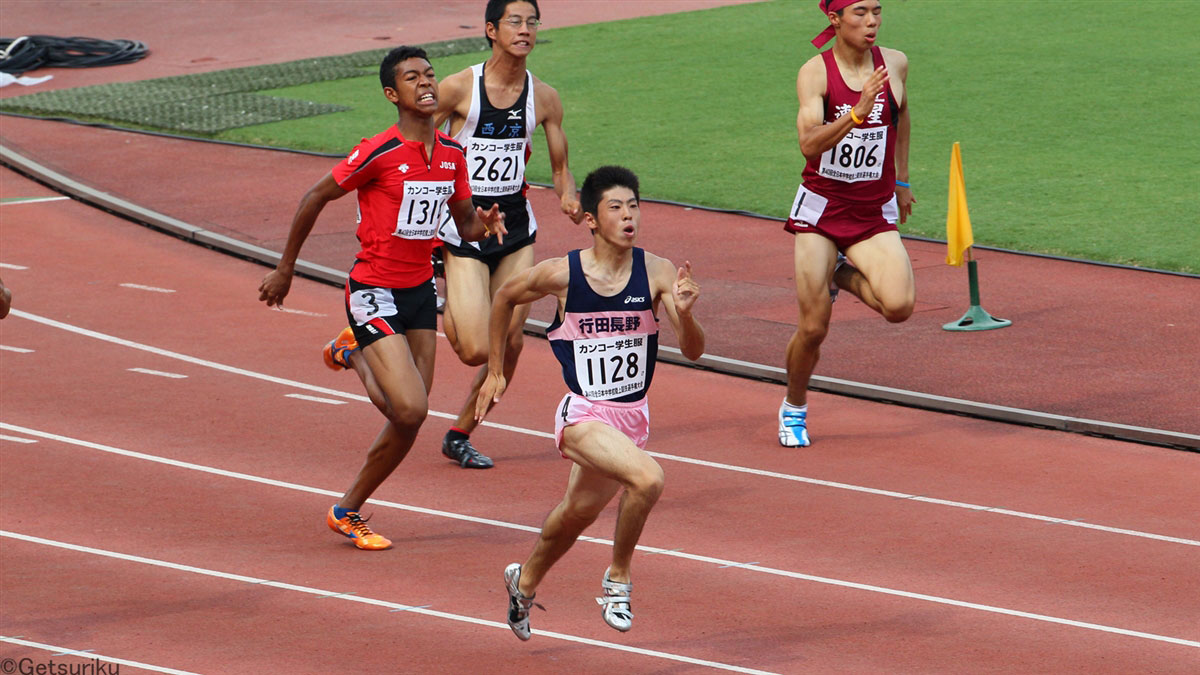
[{"x": 901, "y": 183}]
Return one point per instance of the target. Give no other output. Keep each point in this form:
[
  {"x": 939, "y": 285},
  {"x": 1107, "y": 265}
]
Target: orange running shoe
[
  {"x": 337, "y": 352},
  {"x": 355, "y": 527}
]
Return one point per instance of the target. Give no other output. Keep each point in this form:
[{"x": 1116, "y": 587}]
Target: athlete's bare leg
[
  {"x": 814, "y": 257},
  {"x": 885, "y": 279},
  {"x": 468, "y": 304},
  {"x": 605, "y": 461},
  {"x": 397, "y": 372},
  {"x": 514, "y": 263}
]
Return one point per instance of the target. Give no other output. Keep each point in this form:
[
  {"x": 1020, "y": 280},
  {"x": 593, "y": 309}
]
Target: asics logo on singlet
[
  {"x": 449, "y": 165},
  {"x": 514, "y": 114},
  {"x": 630, "y": 298},
  {"x": 403, "y": 168}
]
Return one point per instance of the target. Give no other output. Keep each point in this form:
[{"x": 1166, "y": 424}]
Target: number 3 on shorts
[{"x": 371, "y": 303}]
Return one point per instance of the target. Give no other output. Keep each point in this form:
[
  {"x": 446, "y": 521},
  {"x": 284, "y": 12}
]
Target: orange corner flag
[{"x": 958, "y": 221}]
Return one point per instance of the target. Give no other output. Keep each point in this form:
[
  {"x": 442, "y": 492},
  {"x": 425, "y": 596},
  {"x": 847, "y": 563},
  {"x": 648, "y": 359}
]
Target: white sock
[{"x": 797, "y": 408}]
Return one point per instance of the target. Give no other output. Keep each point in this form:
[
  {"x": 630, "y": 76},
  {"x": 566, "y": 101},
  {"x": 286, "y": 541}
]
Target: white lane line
[
  {"x": 154, "y": 289},
  {"x": 159, "y": 373},
  {"x": 351, "y": 597},
  {"x": 19, "y": 350},
  {"x": 285, "y": 310},
  {"x": 16, "y": 439},
  {"x": 316, "y": 399},
  {"x": 719, "y": 562},
  {"x": 30, "y": 200},
  {"x": 542, "y": 434},
  {"x": 10, "y": 266},
  {"x": 1074, "y": 522},
  {"x": 88, "y": 653}
]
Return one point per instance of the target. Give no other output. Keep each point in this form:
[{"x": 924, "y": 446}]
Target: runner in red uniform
[
  {"x": 853, "y": 126},
  {"x": 405, "y": 178}
]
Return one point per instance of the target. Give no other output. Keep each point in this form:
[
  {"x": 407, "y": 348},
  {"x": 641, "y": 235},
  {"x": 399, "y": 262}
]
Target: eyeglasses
[{"x": 516, "y": 22}]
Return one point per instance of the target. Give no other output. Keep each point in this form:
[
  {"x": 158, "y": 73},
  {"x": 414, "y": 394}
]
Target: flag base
[{"x": 976, "y": 319}]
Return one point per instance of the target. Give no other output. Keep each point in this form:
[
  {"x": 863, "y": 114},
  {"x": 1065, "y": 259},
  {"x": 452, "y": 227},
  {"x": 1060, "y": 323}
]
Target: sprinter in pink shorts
[{"x": 605, "y": 335}]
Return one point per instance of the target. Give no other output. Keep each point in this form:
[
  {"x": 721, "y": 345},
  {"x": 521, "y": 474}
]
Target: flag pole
[{"x": 958, "y": 239}]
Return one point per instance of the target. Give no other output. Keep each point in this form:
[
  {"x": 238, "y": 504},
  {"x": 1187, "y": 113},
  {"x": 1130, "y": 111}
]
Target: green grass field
[{"x": 1078, "y": 124}]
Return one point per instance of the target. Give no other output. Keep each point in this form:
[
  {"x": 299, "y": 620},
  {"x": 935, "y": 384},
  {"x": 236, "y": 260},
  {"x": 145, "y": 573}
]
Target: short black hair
[
  {"x": 495, "y": 11},
  {"x": 602, "y": 180},
  {"x": 387, "y": 69}
]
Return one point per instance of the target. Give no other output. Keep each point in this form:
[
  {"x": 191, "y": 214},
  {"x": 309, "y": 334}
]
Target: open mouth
[{"x": 426, "y": 98}]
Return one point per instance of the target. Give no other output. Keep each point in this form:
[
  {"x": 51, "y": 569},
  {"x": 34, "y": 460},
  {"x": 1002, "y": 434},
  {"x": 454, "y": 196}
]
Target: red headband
[{"x": 828, "y": 6}]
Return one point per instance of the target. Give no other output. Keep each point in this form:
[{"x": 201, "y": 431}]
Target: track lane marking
[
  {"x": 677, "y": 553},
  {"x": 153, "y": 289},
  {"x": 354, "y": 597},
  {"x": 541, "y": 434},
  {"x": 157, "y": 373},
  {"x": 19, "y": 350},
  {"x": 89, "y": 653}
]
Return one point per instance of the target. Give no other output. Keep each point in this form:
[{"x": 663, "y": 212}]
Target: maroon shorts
[{"x": 843, "y": 223}]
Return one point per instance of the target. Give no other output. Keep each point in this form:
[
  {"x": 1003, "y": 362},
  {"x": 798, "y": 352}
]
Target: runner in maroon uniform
[
  {"x": 405, "y": 177},
  {"x": 854, "y": 132}
]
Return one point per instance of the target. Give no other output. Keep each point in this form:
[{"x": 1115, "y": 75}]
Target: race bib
[
  {"x": 857, "y": 157},
  {"x": 421, "y": 210},
  {"x": 611, "y": 367},
  {"x": 496, "y": 167}
]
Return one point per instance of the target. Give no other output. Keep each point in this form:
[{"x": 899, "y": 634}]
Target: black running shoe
[{"x": 461, "y": 451}]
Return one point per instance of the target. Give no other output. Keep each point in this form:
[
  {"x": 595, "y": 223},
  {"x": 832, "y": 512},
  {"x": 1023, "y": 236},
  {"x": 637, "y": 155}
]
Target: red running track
[{"x": 174, "y": 518}]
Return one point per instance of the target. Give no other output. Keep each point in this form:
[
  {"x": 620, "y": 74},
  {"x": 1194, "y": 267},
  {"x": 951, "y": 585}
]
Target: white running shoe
[
  {"x": 793, "y": 427},
  {"x": 615, "y": 602},
  {"x": 518, "y": 604}
]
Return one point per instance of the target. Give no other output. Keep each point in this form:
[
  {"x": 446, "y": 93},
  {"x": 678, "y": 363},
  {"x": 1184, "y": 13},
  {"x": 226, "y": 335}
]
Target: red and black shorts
[{"x": 376, "y": 312}]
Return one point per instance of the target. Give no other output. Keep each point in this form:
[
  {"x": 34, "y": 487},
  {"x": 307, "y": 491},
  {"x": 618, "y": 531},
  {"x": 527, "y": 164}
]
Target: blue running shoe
[{"x": 793, "y": 427}]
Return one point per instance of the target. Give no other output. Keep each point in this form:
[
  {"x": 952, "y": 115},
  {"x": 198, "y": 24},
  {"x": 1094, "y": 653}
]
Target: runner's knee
[
  {"x": 471, "y": 352},
  {"x": 896, "y": 310},
  {"x": 648, "y": 483},
  {"x": 578, "y": 515},
  {"x": 407, "y": 415},
  {"x": 898, "y": 314},
  {"x": 811, "y": 332}
]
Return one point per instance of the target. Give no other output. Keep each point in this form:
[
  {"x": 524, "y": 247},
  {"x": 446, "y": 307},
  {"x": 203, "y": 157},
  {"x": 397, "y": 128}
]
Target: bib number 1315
[{"x": 421, "y": 210}]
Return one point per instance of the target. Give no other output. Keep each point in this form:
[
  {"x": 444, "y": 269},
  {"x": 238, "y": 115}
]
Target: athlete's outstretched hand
[
  {"x": 493, "y": 221},
  {"x": 274, "y": 288},
  {"x": 870, "y": 90},
  {"x": 905, "y": 201},
  {"x": 489, "y": 394},
  {"x": 686, "y": 290},
  {"x": 570, "y": 206}
]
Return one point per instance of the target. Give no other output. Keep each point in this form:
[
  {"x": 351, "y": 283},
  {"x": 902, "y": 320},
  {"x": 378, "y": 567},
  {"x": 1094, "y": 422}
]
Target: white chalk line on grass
[
  {"x": 353, "y": 597},
  {"x": 607, "y": 542},
  {"x": 85, "y": 654},
  {"x": 1071, "y": 522}
]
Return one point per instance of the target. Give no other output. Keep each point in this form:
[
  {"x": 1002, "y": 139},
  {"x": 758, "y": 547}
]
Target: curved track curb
[{"x": 229, "y": 245}]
